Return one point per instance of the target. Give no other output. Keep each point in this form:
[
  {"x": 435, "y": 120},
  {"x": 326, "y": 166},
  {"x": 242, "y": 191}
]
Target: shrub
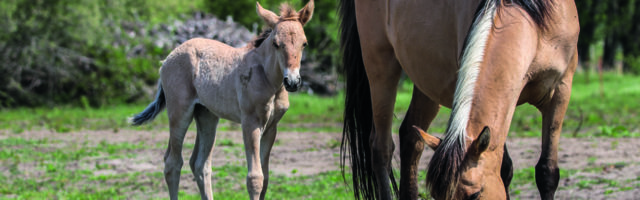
[{"x": 62, "y": 51}]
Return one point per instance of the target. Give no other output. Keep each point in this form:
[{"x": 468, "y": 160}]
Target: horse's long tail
[
  {"x": 152, "y": 109},
  {"x": 358, "y": 117}
]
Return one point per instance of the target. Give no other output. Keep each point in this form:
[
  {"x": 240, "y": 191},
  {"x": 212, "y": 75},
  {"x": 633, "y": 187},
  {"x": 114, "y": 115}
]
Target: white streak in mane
[{"x": 468, "y": 74}]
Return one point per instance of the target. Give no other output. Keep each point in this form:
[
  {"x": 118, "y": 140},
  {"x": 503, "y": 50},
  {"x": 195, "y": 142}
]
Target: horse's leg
[
  {"x": 553, "y": 111},
  {"x": 200, "y": 160},
  {"x": 180, "y": 115},
  {"x": 506, "y": 170},
  {"x": 251, "y": 131},
  {"x": 421, "y": 112},
  {"x": 383, "y": 71}
]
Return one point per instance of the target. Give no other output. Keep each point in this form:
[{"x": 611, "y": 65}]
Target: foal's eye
[
  {"x": 275, "y": 45},
  {"x": 304, "y": 44}
]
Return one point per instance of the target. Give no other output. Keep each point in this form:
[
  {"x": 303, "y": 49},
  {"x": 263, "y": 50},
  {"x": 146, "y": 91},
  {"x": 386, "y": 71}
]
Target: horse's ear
[
  {"x": 429, "y": 140},
  {"x": 267, "y": 16},
  {"x": 306, "y": 13},
  {"x": 482, "y": 142}
]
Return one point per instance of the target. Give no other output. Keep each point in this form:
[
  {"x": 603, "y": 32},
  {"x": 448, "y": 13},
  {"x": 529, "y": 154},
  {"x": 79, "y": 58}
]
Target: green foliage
[
  {"x": 615, "y": 24},
  {"x": 61, "y": 51},
  {"x": 590, "y": 113}
]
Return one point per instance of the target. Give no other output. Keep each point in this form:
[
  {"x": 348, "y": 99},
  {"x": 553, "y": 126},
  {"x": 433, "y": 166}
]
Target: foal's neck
[{"x": 265, "y": 55}]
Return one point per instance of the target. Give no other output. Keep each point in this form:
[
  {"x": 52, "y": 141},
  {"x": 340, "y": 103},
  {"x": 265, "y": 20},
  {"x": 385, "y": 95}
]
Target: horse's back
[{"x": 428, "y": 38}]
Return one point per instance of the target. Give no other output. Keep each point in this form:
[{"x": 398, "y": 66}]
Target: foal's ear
[
  {"x": 429, "y": 140},
  {"x": 306, "y": 13},
  {"x": 267, "y": 16}
]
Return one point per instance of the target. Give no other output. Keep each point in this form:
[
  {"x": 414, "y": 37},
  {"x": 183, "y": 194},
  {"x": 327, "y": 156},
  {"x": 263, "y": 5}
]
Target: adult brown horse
[{"x": 481, "y": 58}]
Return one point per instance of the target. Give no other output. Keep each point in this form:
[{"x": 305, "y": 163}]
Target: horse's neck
[{"x": 264, "y": 56}]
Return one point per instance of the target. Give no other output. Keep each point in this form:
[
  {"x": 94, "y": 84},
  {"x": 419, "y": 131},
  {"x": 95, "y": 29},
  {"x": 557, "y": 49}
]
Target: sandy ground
[{"x": 594, "y": 159}]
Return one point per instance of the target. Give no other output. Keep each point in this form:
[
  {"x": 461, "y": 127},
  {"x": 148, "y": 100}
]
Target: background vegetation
[
  {"x": 77, "y": 65},
  {"x": 614, "y": 26},
  {"x": 86, "y": 52}
]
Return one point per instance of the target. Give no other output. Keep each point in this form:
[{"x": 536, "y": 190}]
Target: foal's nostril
[{"x": 287, "y": 83}]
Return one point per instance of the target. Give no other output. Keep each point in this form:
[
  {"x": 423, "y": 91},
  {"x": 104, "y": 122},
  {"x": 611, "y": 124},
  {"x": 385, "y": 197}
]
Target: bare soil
[{"x": 600, "y": 168}]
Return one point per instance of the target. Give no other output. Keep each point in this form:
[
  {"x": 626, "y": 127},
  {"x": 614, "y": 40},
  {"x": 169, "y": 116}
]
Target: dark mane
[
  {"x": 255, "y": 43},
  {"x": 287, "y": 13},
  {"x": 538, "y": 10}
]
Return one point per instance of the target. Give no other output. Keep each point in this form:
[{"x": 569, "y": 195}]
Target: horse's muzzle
[{"x": 292, "y": 85}]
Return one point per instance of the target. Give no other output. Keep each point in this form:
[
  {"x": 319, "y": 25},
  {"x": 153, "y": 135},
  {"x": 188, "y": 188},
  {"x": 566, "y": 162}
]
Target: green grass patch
[{"x": 591, "y": 113}]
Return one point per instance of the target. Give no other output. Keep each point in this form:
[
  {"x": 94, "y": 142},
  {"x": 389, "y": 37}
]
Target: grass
[
  {"x": 54, "y": 169},
  {"x": 612, "y": 113},
  {"x": 40, "y": 169}
]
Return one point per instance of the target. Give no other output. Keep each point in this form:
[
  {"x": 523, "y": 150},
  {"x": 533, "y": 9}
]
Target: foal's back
[{"x": 204, "y": 70}]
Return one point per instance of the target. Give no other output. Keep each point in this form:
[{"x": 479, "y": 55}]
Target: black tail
[
  {"x": 358, "y": 120},
  {"x": 152, "y": 109}
]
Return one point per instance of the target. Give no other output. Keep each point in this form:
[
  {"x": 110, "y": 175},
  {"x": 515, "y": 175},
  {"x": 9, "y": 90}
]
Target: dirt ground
[{"x": 593, "y": 161}]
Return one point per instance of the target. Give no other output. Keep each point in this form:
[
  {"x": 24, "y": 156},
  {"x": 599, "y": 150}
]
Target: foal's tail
[
  {"x": 358, "y": 116},
  {"x": 152, "y": 109}
]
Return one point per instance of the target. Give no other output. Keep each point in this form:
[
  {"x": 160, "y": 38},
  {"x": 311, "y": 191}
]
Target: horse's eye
[
  {"x": 275, "y": 45},
  {"x": 474, "y": 196},
  {"x": 304, "y": 44}
]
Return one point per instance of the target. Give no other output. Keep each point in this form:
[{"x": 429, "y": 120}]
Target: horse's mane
[
  {"x": 287, "y": 13},
  {"x": 538, "y": 10}
]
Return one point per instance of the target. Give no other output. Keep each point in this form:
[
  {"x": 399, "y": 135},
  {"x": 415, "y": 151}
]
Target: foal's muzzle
[{"x": 292, "y": 84}]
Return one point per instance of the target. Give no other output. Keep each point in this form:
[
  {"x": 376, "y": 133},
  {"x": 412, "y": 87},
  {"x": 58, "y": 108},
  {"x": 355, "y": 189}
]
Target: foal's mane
[
  {"x": 287, "y": 13},
  {"x": 255, "y": 43}
]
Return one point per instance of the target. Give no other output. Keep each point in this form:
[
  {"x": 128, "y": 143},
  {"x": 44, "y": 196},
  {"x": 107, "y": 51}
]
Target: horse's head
[
  {"x": 479, "y": 172},
  {"x": 288, "y": 40}
]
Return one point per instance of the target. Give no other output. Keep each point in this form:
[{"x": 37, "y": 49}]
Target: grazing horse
[
  {"x": 208, "y": 80},
  {"x": 481, "y": 58}
]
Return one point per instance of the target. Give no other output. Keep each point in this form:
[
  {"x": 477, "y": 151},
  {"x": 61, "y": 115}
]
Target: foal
[{"x": 208, "y": 80}]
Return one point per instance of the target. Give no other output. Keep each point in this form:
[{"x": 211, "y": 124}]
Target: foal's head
[{"x": 288, "y": 40}]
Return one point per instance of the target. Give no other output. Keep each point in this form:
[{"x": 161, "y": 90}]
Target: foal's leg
[
  {"x": 200, "y": 160},
  {"x": 266, "y": 142},
  {"x": 269, "y": 136},
  {"x": 251, "y": 130},
  {"x": 421, "y": 112},
  {"x": 180, "y": 116},
  {"x": 553, "y": 111}
]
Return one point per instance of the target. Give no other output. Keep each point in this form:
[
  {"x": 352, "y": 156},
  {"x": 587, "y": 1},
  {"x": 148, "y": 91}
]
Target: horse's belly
[
  {"x": 431, "y": 66},
  {"x": 427, "y": 38}
]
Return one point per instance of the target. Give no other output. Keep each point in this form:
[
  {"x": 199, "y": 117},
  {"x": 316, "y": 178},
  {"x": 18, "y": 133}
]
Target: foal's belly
[{"x": 221, "y": 105}]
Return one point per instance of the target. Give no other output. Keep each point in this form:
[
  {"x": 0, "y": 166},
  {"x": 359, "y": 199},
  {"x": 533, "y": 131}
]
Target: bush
[{"x": 62, "y": 51}]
